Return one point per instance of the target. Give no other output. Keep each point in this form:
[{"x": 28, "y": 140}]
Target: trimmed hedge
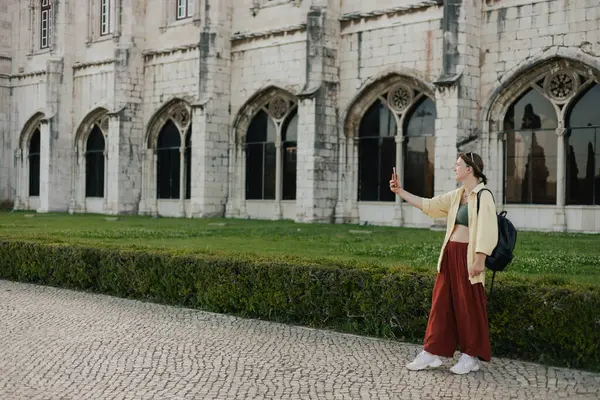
[{"x": 542, "y": 320}]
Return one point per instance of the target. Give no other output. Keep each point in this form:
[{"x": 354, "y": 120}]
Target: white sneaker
[
  {"x": 465, "y": 365},
  {"x": 424, "y": 360}
]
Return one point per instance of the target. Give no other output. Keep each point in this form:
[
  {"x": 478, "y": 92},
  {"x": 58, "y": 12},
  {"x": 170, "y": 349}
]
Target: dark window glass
[
  {"x": 531, "y": 150},
  {"x": 583, "y": 151},
  {"x": 94, "y": 164},
  {"x": 260, "y": 158},
  {"x": 34, "y": 164},
  {"x": 289, "y": 149},
  {"x": 168, "y": 162},
  {"x": 188, "y": 163},
  {"x": 376, "y": 153},
  {"x": 45, "y": 23},
  {"x": 419, "y": 149}
]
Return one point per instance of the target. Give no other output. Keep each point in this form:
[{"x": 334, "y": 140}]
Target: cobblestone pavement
[{"x": 60, "y": 344}]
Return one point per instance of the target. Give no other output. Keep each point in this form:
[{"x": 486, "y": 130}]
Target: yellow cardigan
[{"x": 483, "y": 227}]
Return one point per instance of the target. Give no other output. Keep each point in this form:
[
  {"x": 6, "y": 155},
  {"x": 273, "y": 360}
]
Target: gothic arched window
[
  {"x": 531, "y": 150},
  {"x": 94, "y": 163},
  {"x": 34, "y": 163},
  {"x": 168, "y": 163},
  {"x": 173, "y": 149},
  {"x": 260, "y": 158},
  {"x": 376, "y": 153},
  {"x": 419, "y": 149},
  {"x": 583, "y": 149},
  {"x": 272, "y": 136},
  {"x": 378, "y": 144}
]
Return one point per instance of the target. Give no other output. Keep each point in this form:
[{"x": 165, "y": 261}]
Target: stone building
[{"x": 299, "y": 109}]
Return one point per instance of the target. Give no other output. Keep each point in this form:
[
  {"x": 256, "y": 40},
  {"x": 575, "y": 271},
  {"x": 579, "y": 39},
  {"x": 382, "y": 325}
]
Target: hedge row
[{"x": 535, "y": 320}]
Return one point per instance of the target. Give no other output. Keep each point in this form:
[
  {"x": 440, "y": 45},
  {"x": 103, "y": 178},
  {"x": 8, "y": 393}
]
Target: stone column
[
  {"x": 236, "y": 198},
  {"x": 317, "y": 118},
  {"x": 81, "y": 179},
  {"x": 148, "y": 195},
  {"x": 105, "y": 188},
  {"x": 353, "y": 195},
  {"x": 232, "y": 207},
  {"x": 278, "y": 176},
  {"x": 210, "y": 146},
  {"x": 398, "y": 219},
  {"x": 56, "y": 142},
  {"x": 560, "y": 221},
  {"x": 152, "y": 197},
  {"x": 126, "y": 134},
  {"x": 341, "y": 204},
  {"x": 113, "y": 168},
  {"x": 241, "y": 180},
  {"x": 8, "y": 142},
  {"x": 74, "y": 174},
  {"x": 494, "y": 160},
  {"x": 19, "y": 166},
  {"x": 457, "y": 92},
  {"x": 182, "y": 176},
  {"x": 45, "y": 167},
  {"x": 24, "y": 182}
]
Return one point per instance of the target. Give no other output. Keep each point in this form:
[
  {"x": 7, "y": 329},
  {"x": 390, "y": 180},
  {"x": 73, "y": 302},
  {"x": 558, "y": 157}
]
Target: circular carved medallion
[
  {"x": 400, "y": 97},
  {"x": 182, "y": 116},
  {"x": 278, "y": 107},
  {"x": 561, "y": 85}
]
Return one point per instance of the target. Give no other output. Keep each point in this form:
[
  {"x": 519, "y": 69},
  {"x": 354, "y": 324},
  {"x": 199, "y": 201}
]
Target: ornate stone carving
[
  {"x": 103, "y": 124},
  {"x": 181, "y": 115},
  {"x": 399, "y": 98},
  {"x": 561, "y": 85},
  {"x": 278, "y": 107}
]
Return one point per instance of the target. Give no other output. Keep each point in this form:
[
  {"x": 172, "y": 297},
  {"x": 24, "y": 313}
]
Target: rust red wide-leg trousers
[{"x": 458, "y": 310}]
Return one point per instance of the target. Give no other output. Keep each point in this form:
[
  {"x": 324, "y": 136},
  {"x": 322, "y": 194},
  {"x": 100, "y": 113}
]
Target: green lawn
[{"x": 571, "y": 256}]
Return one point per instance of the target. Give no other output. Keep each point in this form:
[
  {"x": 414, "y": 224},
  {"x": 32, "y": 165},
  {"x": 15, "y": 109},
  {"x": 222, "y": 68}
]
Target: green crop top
[{"x": 462, "y": 215}]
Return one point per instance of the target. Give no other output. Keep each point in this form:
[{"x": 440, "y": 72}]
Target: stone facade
[{"x": 212, "y": 68}]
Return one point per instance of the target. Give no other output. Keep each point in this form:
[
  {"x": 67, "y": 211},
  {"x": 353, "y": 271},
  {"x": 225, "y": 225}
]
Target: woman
[{"x": 458, "y": 311}]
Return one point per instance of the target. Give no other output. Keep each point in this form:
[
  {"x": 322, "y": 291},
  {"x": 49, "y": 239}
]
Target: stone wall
[
  {"x": 6, "y": 150},
  {"x": 256, "y": 17},
  {"x": 228, "y": 58}
]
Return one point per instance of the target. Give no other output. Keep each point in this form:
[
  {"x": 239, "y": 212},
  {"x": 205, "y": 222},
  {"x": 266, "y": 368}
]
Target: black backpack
[{"x": 507, "y": 238}]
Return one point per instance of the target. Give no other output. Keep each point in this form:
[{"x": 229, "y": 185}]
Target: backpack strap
[
  {"x": 479, "y": 197},
  {"x": 494, "y": 275}
]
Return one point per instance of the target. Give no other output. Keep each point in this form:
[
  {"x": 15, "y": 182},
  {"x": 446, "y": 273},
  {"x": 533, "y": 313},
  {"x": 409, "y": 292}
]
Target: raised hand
[{"x": 394, "y": 183}]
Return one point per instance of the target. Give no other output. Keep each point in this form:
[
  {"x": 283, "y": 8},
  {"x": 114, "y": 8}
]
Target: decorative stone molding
[
  {"x": 276, "y": 102},
  {"x": 550, "y": 59},
  {"x": 561, "y": 85},
  {"x": 238, "y": 36},
  {"x": 278, "y": 107},
  {"x": 29, "y": 127},
  {"x": 176, "y": 110},
  {"x": 391, "y": 11},
  {"x": 258, "y": 4},
  {"x": 400, "y": 97},
  {"x": 405, "y": 91},
  {"x": 149, "y": 54},
  {"x": 99, "y": 117},
  {"x": 81, "y": 65},
  {"x": 558, "y": 80},
  {"x": 30, "y": 74}
]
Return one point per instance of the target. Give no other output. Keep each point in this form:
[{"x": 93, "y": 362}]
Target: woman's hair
[{"x": 474, "y": 161}]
